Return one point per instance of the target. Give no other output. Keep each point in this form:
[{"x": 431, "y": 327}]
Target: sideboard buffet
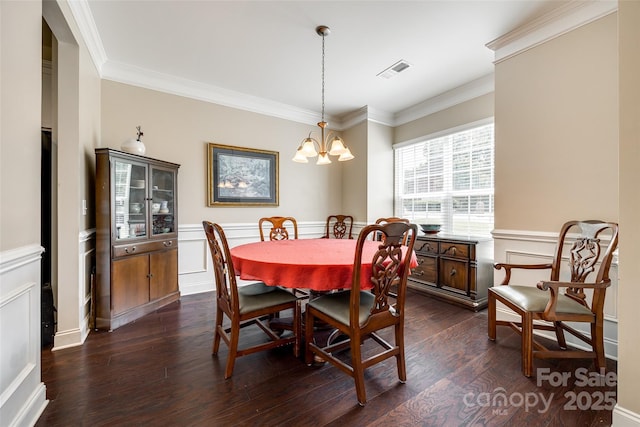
[{"x": 457, "y": 269}]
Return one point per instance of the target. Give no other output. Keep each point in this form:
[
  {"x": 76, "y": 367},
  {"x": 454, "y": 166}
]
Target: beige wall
[
  {"x": 629, "y": 289},
  {"x": 379, "y": 177},
  {"x": 354, "y": 185},
  {"x": 177, "y": 129},
  {"x": 461, "y": 114},
  {"x": 20, "y": 83},
  {"x": 556, "y": 109}
]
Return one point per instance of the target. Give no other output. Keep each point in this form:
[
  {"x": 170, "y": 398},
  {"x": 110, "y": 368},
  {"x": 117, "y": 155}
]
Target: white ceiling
[{"x": 268, "y": 51}]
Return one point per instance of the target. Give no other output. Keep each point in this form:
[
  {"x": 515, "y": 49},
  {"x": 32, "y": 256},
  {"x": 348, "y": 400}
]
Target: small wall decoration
[{"x": 241, "y": 176}]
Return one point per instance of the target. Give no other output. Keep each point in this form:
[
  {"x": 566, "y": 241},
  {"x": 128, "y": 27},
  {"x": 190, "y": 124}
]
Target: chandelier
[{"x": 331, "y": 144}]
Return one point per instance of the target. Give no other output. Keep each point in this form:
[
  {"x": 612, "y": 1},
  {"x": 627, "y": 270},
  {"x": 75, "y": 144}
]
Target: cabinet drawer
[
  {"x": 453, "y": 274},
  {"x": 427, "y": 247},
  {"x": 143, "y": 247},
  {"x": 457, "y": 250},
  {"x": 426, "y": 271}
]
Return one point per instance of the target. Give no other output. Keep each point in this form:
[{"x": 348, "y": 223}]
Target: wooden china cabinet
[
  {"x": 454, "y": 268},
  {"x": 136, "y": 236}
]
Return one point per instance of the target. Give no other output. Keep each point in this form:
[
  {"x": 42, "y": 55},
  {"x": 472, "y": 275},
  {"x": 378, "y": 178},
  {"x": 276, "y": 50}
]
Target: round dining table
[{"x": 316, "y": 264}]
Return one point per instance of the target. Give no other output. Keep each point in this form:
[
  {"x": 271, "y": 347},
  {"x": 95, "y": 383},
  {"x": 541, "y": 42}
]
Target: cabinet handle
[
  {"x": 169, "y": 243},
  {"x": 452, "y": 249},
  {"x": 133, "y": 249},
  {"x": 453, "y": 272},
  {"x": 149, "y": 275},
  {"x": 420, "y": 261},
  {"x": 417, "y": 273}
]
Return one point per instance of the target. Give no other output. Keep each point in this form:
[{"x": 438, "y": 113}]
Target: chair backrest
[
  {"x": 585, "y": 256},
  {"x": 339, "y": 227},
  {"x": 278, "y": 230},
  {"x": 226, "y": 286},
  {"x": 390, "y": 270},
  {"x": 391, "y": 219}
]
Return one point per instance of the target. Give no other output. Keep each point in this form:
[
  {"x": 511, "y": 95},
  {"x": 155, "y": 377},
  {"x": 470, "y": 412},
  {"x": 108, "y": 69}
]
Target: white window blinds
[{"x": 448, "y": 180}]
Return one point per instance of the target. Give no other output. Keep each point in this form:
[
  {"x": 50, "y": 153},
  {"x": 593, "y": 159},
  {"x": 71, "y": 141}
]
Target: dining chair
[
  {"x": 545, "y": 306},
  {"x": 278, "y": 230},
  {"x": 245, "y": 305},
  {"x": 377, "y": 236},
  {"x": 387, "y": 221},
  {"x": 360, "y": 314},
  {"x": 339, "y": 227}
]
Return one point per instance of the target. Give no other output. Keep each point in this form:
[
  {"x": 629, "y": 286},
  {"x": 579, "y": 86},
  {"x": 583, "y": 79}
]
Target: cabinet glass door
[
  {"x": 130, "y": 200},
  {"x": 163, "y": 201}
]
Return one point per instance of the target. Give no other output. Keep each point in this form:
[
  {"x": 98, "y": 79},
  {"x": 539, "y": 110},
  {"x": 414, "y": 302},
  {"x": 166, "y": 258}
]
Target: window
[{"x": 448, "y": 180}]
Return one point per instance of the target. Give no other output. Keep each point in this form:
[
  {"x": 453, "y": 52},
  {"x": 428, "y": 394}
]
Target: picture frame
[{"x": 238, "y": 176}]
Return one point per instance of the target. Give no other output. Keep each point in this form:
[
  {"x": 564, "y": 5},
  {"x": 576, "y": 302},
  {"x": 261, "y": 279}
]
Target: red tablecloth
[{"x": 317, "y": 264}]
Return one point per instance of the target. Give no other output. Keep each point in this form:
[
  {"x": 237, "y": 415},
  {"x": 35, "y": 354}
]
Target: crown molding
[
  {"x": 124, "y": 73},
  {"x": 557, "y": 22},
  {"x": 363, "y": 114},
  {"x": 458, "y": 95},
  {"x": 82, "y": 14}
]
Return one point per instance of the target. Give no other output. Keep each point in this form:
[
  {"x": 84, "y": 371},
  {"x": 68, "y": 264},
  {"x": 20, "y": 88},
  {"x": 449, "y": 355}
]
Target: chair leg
[
  {"x": 297, "y": 329},
  {"x": 597, "y": 341},
  {"x": 491, "y": 311},
  {"x": 233, "y": 350},
  {"x": 527, "y": 344},
  {"x": 560, "y": 335},
  {"x": 358, "y": 370},
  {"x": 216, "y": 332},
  {"x": 400, "y": 359},
  {"x": 308, "y": 337}
]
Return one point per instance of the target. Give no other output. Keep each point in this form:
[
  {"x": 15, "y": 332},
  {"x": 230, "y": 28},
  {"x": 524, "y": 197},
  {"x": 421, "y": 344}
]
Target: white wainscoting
[
  {"x": 22, "y": 393},
  {"x": 529, "y": 247},
  {"x": 194, "y": 260}
]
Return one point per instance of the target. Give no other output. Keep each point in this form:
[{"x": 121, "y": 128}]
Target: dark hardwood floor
[{"x": 159, "y": 371}]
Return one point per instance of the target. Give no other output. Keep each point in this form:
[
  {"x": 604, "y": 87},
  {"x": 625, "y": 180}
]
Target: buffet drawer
[
  {"x": 143, "y": 247},
  {"x": 457, "y": 250}
]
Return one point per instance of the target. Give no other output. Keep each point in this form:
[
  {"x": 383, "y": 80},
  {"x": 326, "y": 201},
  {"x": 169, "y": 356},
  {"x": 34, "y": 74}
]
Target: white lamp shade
[
  {"x": 308, "y": 148},
  {"x": 299, "y": 157},
  {"x": 323, "y": 159},
  {"x": 337, "y": 147},
  {"x": 345, "y": 156}
]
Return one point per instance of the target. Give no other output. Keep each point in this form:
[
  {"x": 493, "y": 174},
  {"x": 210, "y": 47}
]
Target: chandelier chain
[{"x": 323, "y": 77}]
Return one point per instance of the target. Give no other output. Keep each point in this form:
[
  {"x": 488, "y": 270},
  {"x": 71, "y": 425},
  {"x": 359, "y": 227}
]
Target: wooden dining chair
[
  {"x": 278, "y": 230},
  {"x": 546, "y": 307},
  {"x": 246, "y": 305},
  {"x": 389, "y": 220},
  {"x": 339, "y": 227},
  {"x": 360, "y": 314}
]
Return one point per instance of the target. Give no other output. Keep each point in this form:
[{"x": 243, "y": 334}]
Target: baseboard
[
  {"x": 33, "y": 408},
  {"x": 66, "y": 339},
  {"x": 197, "y": 287},
  {"x": 625, "y": 418}
]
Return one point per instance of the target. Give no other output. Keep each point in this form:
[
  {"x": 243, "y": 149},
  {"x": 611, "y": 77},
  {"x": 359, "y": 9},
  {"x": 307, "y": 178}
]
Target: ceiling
[{"x": 269, "y": 52}]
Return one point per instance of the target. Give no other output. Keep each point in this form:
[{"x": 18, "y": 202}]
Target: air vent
[{"x": 394, "y": 69}]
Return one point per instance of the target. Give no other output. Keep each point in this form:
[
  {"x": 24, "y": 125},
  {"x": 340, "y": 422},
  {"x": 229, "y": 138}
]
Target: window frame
[{"x": 470, "y": 222}]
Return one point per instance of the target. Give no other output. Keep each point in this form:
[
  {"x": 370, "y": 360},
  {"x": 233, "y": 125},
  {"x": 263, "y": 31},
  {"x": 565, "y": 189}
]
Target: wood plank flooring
[{"x": 159, "y": 371}]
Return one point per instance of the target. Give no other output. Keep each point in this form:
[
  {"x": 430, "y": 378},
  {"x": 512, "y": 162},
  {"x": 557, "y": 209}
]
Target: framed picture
[{"x": 241, "y": 176}]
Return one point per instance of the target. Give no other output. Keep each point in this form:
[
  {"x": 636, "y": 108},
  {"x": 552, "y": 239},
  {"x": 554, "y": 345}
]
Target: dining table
[{"x": 319, "y": 265}]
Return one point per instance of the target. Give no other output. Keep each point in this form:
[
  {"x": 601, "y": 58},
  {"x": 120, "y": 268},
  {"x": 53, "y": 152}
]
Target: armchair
[{"x": 546, "y": 307}]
